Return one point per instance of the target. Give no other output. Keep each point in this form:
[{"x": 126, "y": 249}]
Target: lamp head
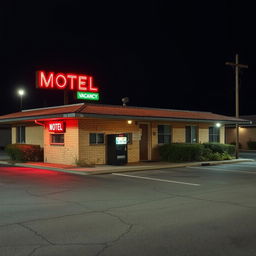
[{"x": 21, "y": 92}]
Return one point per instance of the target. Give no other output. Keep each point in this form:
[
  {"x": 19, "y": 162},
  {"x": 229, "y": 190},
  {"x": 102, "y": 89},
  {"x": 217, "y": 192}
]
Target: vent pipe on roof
[{"x": 125, "y": 100}]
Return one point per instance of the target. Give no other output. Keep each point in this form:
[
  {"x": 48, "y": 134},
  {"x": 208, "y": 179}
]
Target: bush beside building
[
  {"x": 184, "y": 152},
  {"x": 24, "y": 152}
]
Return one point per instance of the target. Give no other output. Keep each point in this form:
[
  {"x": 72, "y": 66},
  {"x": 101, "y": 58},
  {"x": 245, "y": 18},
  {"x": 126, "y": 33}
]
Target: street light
[{"x": 21, "y": 93}]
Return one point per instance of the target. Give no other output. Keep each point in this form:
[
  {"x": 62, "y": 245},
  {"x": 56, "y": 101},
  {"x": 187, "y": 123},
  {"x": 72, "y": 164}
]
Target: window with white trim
[
  {"x": 164, "y": 134},
  {"x": 57, "y": 139},
  {"x": 214, "y": 134},
  {"x": 20, "y": 134},
  {"x": 191, "y": 134},
  {"x": 96, "y": 138}
]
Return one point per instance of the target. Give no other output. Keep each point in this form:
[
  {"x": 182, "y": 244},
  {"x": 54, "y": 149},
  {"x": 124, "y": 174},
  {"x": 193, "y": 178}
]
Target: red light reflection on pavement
[
  {"x": 36, "y": 176},
  {"x": 26, "y": 170}
]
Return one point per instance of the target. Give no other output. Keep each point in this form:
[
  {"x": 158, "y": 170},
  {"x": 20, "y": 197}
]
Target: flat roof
[{"x": 117, "y": 112}]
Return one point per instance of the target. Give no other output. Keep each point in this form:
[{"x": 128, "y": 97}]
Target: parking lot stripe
[
  {"x": 221, "y": 170},
  {"x": 154, "y": 179}
]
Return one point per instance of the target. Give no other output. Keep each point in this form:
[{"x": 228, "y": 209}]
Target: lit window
[
  {"x": 191, "y": 134},
  {"x": 96, "y": 138},
  {"x": 57, "y": 139},
  {"x": 214, "y": 134},
  {"x": 164, "y": 134},
  {"x": 20, "y": 134}
]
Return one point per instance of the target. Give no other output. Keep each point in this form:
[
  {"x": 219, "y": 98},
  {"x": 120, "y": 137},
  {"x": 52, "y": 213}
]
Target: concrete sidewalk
[{"x": 106, "y": 169}]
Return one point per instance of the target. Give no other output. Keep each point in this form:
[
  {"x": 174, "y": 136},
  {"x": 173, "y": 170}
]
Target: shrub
[
  {"x": 182, "y": 152},
  {"x": 83, "y": 163},
  {"x": 24, "y": 152},
  {"x": 177, "y": 152},
  {"x": 215, "y": 156},
  {"x": 220, "y": 148},
  {"x": 251, "y": 144},
  {"x": 234, "y": 143}
]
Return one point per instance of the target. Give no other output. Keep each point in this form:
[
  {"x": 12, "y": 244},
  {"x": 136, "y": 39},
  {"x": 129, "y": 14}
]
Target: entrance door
[{"x": 144, "y": 142}]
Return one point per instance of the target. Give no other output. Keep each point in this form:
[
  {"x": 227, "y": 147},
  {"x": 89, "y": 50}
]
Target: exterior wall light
[
  {"x": 218, "y": 125},
  {"x": 129, "y": 122}
]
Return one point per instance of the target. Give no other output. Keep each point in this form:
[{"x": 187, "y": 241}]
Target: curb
[{"x": 130, "y": 169}]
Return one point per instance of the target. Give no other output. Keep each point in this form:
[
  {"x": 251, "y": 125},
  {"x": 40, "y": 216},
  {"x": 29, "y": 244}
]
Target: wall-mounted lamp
[
  {"x": 218, "y": 125},
  {"x": 129, "y": 121}
]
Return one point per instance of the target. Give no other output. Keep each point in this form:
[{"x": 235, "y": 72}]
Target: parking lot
[{"x": 206, "y": 210}]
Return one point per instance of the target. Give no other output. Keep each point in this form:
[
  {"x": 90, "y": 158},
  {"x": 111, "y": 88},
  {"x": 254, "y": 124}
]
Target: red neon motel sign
[
  {"x": 61, "y": 81},
  {"x": 57, "y": 126}
]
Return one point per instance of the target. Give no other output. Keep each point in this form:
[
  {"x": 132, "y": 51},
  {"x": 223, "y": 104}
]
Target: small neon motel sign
[
  {"x": 57, "y": 127},
  {"x": 87, "y": 96},
  {"x": 69, "y": 81}
]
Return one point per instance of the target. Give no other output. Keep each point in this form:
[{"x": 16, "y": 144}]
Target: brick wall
[
  {"x": 245, "y": 134},
  {"x": 63, "y": 154},
  {"x": 96, "y": 154},
  {"x": 35, "y": 135},
  {"x": 76, "y": 139}
]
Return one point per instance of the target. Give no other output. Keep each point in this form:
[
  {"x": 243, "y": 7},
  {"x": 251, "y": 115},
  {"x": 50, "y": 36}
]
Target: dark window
[
  {"x": 57, "y": 138},
  {"x": 96, "y": 138},
  {"x": 214, "y": 134},
  {"x": 20, "y": 134},
  {"x": 191, "y": 134},
  {"x": 164, "y": 134}
]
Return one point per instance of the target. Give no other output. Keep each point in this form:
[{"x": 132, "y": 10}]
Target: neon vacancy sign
[{"x": 68, "y": 81}]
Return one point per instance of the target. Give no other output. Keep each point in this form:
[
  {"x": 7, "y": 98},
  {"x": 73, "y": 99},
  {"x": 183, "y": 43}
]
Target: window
[
  {"x": 214, "y": 134},
  {"x": 164, "y": 134},
  {"x": 20, "y": 134},
  {"x": 57, "y": 139},
  {"x": 191, "y": 134},
  {"x": 96, "y": 138}
]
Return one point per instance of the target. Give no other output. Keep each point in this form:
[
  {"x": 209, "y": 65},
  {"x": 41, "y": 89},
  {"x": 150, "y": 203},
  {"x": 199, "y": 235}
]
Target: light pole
[{"x": 21, "y": 93}]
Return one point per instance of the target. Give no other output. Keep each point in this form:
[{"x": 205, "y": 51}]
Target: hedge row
[
  {"x": 183, "y": 152},
  {"x": 24, "y": 152}
]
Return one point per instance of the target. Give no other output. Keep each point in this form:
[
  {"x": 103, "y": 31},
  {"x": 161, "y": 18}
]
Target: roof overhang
[{"x": 107, "y": 116}]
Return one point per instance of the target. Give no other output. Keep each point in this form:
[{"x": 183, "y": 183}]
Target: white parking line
[
  {"x": 147, "y": 178},
  {"x": 221, "y": 170},
  {"x": 247, "y": 165}
]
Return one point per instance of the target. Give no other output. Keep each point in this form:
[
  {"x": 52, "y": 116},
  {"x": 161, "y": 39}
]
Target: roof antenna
[{"x": 125, "y": 100}]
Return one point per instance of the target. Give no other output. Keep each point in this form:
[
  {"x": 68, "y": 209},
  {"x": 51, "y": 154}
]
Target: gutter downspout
[{"x": 42, "y": 124}]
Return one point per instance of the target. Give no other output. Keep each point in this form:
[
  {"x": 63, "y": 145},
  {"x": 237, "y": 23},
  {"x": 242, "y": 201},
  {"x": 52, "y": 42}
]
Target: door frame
[{"x": 149, "y": 138}]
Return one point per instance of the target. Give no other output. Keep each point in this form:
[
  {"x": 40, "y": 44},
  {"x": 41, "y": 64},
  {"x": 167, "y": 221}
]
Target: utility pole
[{"x": 237, "y": 68}]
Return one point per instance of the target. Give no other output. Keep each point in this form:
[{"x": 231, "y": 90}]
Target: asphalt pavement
[{"x": 188, "y": 211}]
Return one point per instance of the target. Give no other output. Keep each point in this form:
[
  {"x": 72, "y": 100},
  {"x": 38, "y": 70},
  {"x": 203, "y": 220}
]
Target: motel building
[{"x": 82, "y": 132}]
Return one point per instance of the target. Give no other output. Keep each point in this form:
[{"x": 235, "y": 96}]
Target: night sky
[{"x": 166, "y": 54}]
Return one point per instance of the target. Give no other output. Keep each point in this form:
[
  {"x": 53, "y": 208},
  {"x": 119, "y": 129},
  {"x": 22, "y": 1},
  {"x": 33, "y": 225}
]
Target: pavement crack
[
  {"x": 206, "y": 200},
  {"x": 36, "y": 233},
  {"x": 34, "y": 250},
  {"x": 111, "y": 243},
  {"x": 47, "y": 196}
]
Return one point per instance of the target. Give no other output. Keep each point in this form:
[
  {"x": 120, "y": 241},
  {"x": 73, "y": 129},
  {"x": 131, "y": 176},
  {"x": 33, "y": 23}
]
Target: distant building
[
  {"x": 78, "y": 132},
  {"x": 247, "y": 132}
]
